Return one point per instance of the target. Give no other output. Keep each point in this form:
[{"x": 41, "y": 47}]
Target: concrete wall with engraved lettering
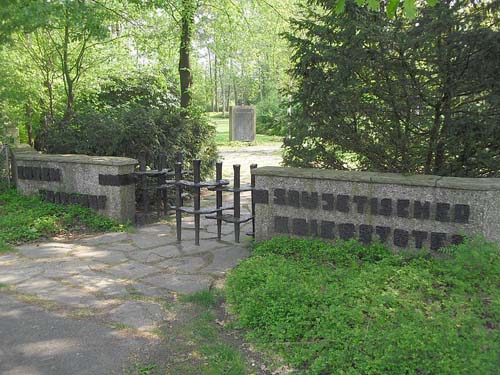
[
  {"x": 102, "y": 183},
  {"x": 404, "y": 212},
  {"x": 242, "y": 123}
]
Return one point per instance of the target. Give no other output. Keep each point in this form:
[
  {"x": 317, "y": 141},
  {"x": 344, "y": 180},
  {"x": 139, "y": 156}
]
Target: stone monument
[{"x": 242, "y": 123}]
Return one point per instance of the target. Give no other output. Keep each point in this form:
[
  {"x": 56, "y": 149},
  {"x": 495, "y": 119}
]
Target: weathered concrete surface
[
  {"x": 81, "y": 174},
  {"x": 242, "y": 123},
  {"x": 37, "y": 342},
  {"x": 325, "y": 203}
]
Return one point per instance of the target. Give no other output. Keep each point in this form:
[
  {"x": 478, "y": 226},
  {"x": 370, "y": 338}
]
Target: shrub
[
  {"x": 271, "y": 116},
  {"x": 135, "y": 131},
  {"x": 130, "y": 116},
  {"x": 340, "y": 309}
]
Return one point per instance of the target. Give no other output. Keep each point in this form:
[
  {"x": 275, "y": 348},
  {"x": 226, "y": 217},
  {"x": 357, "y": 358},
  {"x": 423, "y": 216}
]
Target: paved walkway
[
  {"x": 245, "y": 156},
  {"x": 108, "y": 284},
  {"x": 94, "y": 305}
]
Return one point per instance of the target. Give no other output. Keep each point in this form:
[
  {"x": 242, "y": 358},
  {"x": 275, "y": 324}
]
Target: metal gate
[{"x": 173, "y": 186}]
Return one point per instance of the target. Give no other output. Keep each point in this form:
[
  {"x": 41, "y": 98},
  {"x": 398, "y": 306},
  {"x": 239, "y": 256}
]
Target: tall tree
[
  {"x": 417, "y": 96},
  {"x": 188, "y": 9}
]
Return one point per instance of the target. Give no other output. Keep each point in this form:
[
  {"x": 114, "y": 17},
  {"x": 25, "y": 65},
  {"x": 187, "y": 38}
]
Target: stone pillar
[
  {"x": 242, "y": 123},
  {"x": 103, "y": 183}
]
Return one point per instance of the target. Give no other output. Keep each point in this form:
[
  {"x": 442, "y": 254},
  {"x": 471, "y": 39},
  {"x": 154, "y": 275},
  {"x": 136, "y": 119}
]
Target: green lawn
[
  {"x": 24, "y": 219},
  {"x": 222, "y": 138},
  {"x": 349, "y": 309}
]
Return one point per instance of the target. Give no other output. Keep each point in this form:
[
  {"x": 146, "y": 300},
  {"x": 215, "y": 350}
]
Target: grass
[
  {"x": 24, "y": 219},
  {"x": 348, "y": 309},
  {"x": 222, "y": 137},
  {"x": 200, "y": 340}
]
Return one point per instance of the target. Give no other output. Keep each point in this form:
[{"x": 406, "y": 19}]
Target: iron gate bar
[
  {"x": 196, "y": 185},
  {"x": 236, "y": 219},
  {"x": 252, "y": 184}
]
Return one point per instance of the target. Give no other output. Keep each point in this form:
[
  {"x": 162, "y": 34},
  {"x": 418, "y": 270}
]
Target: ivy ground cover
[{"x": 347, "y": 309}]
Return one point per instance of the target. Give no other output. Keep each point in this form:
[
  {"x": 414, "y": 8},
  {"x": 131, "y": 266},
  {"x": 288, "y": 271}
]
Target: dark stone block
[
  {"x": 116, "y": 180},
  {"x": 437, "y": 240},
  {"x": 360, "y": 201},
  {"x": 293, "y": 198},
  {"x": 20, "y": 173},
  {"x": 346, "y": 231},
  {"x": 328, "y": 199},
  {"x": 93, "y": 203},
  {"x": 55, "y": 174},
  {"x": 313, "y": 228},
  {"x": 461, "y": 213},
  {"x": 84, "y": 200},
  {"x": 101, "y": 202},
  {"x": 64, "y": 197},
  {"x": 37, "y": 173},
  {"x": 50, "y": 196},
  {"x": 365, "y": 233},
  {"x": 281, "y": 224},
  {"x": 443, "y": 212},
  {"x": 374, "y": 206},
  {"x": 419, "y": 236},
  {"x": 401, "y": 237},
  {"x": 74, "y": 198},
  {"x": 300, "y": 227},
  {"x": 421, "y": 210},
  {"x": 402, "y": 207},
  {"x": 280, "y": 196},
  {"x": 456, "y": 239},
  {"x": 261, "y": 196},
  {"x": 42, "y": 194},
  {"x": 28, "y": 173},
  {"x": 383, "y": 233},
  {"x": 385, "y": 207},
  {"x": 57, "y": 197},
  {"x": 45, "y": 174},
  {"x": 342, "y": 203},
  {"x": 309, "y": 200},
  {"x": 327, "y": 229}
]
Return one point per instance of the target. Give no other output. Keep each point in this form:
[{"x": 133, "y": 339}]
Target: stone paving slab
[
  {"x": 186, "y": 284},
  {"x": 225, "y": 259},
  {"x": 131, "y": 270},
  {"x": 155, "y": 255},
  {"x": 101, "y": 255},
  {"x": 47, "y": 250},
  {"x": 143, "y": 316},
  {"x": 187, "y": 264},
  {"x": 54, "y": 291},
  {"x": 99, "y": 283},
  {"x": 13, "y": 275}
]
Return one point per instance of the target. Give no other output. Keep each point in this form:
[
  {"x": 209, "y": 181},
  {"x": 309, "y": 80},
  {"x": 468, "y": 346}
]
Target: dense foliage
[
  {"x": 348, "y": 309},
  {"x": 25, "y": 219},
  {"x": 412, "y": 96},
  {"x": 133, "y": 116}
]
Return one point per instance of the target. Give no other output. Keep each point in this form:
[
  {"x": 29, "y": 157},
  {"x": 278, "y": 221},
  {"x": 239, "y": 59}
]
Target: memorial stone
[{"x": 242, "y": 123}]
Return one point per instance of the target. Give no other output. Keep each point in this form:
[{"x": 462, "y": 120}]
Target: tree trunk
[
  {"x": 235, "y": 91},
  {"x": 212, "y": 103},
  {"x": 185, "y": 75},
  {"x": 29, "y": 123},
  {"x": 228, "y": 95},
  {"x": 216, "y": 88}
]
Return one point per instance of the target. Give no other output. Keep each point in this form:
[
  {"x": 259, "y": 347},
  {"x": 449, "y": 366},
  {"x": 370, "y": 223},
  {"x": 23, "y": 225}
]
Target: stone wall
[
  {"x": 104, "y": 184},
  {"x": 402, "y": 211}
]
